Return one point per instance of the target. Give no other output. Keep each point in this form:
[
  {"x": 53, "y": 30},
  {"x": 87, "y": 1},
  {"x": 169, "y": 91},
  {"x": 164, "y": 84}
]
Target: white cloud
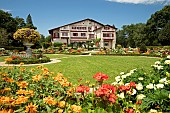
[
  {"x": 6, "y": 10},
  {"x": 142, "y": 1}
]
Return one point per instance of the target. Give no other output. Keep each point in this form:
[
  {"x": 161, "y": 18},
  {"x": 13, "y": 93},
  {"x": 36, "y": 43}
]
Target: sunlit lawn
[{"x": 76, "y": 67}]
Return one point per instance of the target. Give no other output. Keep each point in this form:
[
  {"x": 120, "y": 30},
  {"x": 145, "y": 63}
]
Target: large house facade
[{"x": 85, "y": 30}]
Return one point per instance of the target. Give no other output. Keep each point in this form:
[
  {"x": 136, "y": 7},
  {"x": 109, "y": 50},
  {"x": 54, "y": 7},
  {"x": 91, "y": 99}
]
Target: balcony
[{"x": 108, "y": 38}]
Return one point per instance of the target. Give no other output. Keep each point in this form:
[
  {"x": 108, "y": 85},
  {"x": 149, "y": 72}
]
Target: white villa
[{"x": 85, "y": 30}]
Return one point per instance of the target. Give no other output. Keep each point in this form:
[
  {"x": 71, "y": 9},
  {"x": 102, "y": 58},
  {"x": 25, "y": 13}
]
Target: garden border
[{"x": 52, "y": 61}]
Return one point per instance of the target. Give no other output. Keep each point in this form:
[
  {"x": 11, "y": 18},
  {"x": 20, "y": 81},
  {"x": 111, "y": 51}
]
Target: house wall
[{"x": 79, "y": 32}]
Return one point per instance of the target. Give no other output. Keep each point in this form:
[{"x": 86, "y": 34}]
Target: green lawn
[{"x": 75, "y": 67}]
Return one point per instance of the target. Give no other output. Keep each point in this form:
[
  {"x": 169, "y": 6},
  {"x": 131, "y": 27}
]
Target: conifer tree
[{"x": 29, "y": 22}]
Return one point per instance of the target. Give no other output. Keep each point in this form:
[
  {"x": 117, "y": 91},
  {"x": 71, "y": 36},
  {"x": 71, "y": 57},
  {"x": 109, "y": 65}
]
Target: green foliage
[
  {"x": 143, "y": 48},
  {"x": 157, "y": 21},
  {"x": 29, "y": 23},
  {"x": 57, "y": 44},
  {"x": 131, "y": 35},
  {"x": 164, "y": 36}
]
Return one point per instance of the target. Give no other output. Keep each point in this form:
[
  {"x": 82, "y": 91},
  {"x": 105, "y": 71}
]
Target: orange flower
[
  {"x": 22, "y": 84},
  {"x": 21, "y": 99},
  {"x": 24, "y": 92},
  {"x": 36, "y": 78},
  {"x": 7, "y": 111},
  {"x": 22, "y": 69},
  {"x": 8, "y": 59},
  {"x": 39, "y": 67},
  {"x": 5, "y": 90},
  {"x": 75, "y": 108},
  {"x": 7, "y": 79},
  {"x": 4, "y": 100},
  {"x": 31, "y": 108},
  {"x": 49, "y": 100},
  {"x": 61, "y": 104}
]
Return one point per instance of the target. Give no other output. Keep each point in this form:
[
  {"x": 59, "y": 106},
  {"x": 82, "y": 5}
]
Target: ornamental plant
[
  {"x": 37, "y": 90},
  {"x": 27, "y": 35}
]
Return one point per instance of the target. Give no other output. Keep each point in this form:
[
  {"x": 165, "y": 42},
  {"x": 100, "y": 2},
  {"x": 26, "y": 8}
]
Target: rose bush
[{"x": 39, "y": 90}]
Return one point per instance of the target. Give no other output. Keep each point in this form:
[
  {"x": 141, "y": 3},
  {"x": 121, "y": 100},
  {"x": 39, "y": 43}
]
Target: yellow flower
[
  {"x": 22, "y": 84},
  {"x": 36, "y": 78},
  {"x": 21, "y": 64},
  {"x": 49, "y": 100},
  {"x": 61, "y": 104},
  {"x": 75, "y": 108},
  {"x": 31, "y": 108},
  {"x": 60, "y": 111}
]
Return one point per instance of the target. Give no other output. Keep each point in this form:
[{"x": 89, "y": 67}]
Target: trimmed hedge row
[{"x": 150, "y": 55}]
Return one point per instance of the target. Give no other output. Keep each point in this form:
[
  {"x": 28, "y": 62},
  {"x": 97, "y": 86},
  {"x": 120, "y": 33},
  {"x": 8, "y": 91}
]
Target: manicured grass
[{"x": 76, "y": 67}]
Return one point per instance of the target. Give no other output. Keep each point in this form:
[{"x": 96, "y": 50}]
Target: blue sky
[{"x": 48, "y": 14}]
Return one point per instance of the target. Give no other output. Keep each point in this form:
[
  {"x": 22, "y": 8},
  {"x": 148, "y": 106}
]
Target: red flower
[
  {"x": 82, "y": 89},
  {"x": 100, "y": 76},
  {"x": 129, "y": 110},
  {"x": 139, "y": 102},
  {"x": 112, "y": 98},
  {"x": 133, "y": 84}
]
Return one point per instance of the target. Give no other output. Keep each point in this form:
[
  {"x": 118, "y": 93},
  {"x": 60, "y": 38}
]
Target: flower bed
[
  {"x": 39, "y": 90},
  {"x": 35, "y": 59}
]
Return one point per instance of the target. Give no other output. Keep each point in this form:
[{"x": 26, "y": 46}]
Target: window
[
  {"x": 91, "y": 35},
  {"x": 75, "y": 34},
  {"x": 83, "y": 34},
  {"x": 64, "y": 34},
  {"x": 107, "y": 35},
  {"x": 106, "y": 43}
]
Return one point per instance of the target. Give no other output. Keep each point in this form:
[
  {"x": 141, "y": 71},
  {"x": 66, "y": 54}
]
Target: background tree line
[
  {"x": 9, "y": 25},
  {"x": 155, "y": 32}
]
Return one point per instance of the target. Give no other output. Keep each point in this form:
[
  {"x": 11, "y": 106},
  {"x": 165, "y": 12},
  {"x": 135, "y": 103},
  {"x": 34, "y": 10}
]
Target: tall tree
[
  {"x": 131, "y": 35},
  {"x": 29, "y": 22},
  {"x": 8, "y": 26},
  {"x": 164, "y": 36},
  {"x": 20, "y": 21},
  {"x": 157, "y": 21}
]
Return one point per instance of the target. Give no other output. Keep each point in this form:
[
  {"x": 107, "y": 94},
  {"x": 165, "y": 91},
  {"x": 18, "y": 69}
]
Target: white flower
[
  {"x": 139, "y": 86},
  {"x": 124, "y": 76},
  {"x": 117, "y": 79},
  {"x": 134, "y": 92},
  {"x": 140, "y": 78},
  {"x": 121, "y": 95},
  {"x": 150, "y": 86},
  {"x": 157, "y": 63},
  {"x": 168, "y": 57},
  {"x": 140, "y": 96},
  {"x": 153, "y": 111},
  {"x": 122, "y": 73},
  {"x": 159, "y": 67},
  {"x": 162, "y": 80},
  {"x": 169, "y": 95},
  {"x": 160, "y": 86},
  {"x": 167, "y": 62}
]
